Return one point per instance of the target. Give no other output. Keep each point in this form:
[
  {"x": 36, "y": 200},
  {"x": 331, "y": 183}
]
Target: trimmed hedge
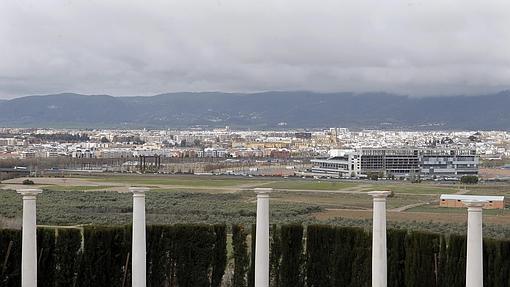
[
  {"x": 453, "y": 262},
  {"x": 496, "y": 269},
  {"x": 251, "y": 270},
  {"x": 219, "y": 260},
  {"x": 104, "y": 256},
  {"x": 292, "y": 257},
  {"x": 396, "y": 257},
  {"x": 422, "y": 259},
  {"x": 338, "y": 256},
  {"x": 10, "y": 258},
  {"x": 67, "y": 249},
  {"x": 240, "y": 254},
  {"x": 196, "y": 255},
  {"x": 180, "y": 255},
  {"x": 275, "y": 256},
  {"x": 194, "y": 252}
]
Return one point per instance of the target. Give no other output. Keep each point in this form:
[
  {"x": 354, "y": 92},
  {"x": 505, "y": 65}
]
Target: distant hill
[{"x": 260, "y": 110}]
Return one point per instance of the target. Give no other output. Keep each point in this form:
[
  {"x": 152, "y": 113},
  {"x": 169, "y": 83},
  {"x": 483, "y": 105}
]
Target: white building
[{"x": 340, "y": 163}]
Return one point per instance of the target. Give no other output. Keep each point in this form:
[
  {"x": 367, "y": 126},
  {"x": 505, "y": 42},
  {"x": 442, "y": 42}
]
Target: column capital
[
  {"x": 379, "y": 195},
  {"x": 29, "y": 192},
  {"x": 474, "y": 205},
  {"x": 263, "y": 192},
  {"x": 138, "y": 191}
]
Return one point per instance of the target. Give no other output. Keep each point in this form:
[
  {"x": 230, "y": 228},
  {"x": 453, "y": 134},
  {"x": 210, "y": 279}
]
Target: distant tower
[{"x": 333, "y": 136}]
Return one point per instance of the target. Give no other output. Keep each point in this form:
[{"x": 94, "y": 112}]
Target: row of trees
[
  {"x": 196, "y": 255},
  {"x": 177, "y": 255},
  {"x": 327, "y": 255}
]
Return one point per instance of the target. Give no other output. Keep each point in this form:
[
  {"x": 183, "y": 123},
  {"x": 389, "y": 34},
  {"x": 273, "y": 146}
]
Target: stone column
[
  {"x": 379, "y": 253},
  {"x": 29, "y": 239},
  {"x": 262, "y": 239},
  {"x": 474, "y": 261},
  {"x": 139, "y": 262}
]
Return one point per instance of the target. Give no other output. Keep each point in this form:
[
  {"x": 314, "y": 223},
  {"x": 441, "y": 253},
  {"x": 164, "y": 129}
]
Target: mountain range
[{"x": 267, "y": 110}]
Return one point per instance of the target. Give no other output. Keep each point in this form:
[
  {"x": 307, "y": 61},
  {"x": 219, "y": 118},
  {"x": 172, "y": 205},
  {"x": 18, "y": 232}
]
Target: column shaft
[
  {"x": 139, "y": 261},
  {"x": 379, "y": 253},
  {"x": 29, "y": 244},
  {"x": 262, "y": 239},
  {"x": 379, "y": 260},
  {"x": 474, "y": 264},
  {"x": 29, "y": 238}
]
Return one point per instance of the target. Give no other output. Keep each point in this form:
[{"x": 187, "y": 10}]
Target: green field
[
  {"x": 212, "y": 181},
  {"x": 310, "y": 185},
  {"x": 188, "y": 181},
  {"x": 493, "y": 189},
  {"x": 75, "y": 187},
  {"x": 415, "y": 188},
  {"x": 100, "y": 207},
  {"x": 446, "y": 210},
  {"x": 216, "y": 199}
]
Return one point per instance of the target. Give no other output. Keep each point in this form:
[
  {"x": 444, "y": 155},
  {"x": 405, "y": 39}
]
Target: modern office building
[
  {"x": 449, "y": 162},
  {"x": 390, "y": 162},
  {"x": 400, "y": 163},
  {"x": 341, "y": 163}
]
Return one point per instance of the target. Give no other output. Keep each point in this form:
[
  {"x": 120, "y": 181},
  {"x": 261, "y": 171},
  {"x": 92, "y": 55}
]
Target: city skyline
[{"x": 263, "y": 143}]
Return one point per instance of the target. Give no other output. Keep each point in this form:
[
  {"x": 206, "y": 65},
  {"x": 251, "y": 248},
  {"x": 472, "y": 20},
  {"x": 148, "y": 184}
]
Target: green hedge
[
  {"x": 251, "y": 270},
  {"x": 194, "y": 252},
  {"x": 219, "y": 260},
  {"x": 240, "y": 256},
  {"x": 196, "y": 255},
  {"x": 67, "y": 249},
  {"x": 104, "y": 256},
  {"x": 10, "y": 258},
  {"x": 422, "y": 259},
  {"x": 46, "y": 261},
  {"x": 275, "y": 256},
  {"x": 338, "y": 256},
  {"x": 179, "y": 255},
  {"x": 496, "y": 263},
  {"x": 292, "y": 257},
  {"x": 342, "y": 255},
  {"x": 396, "y": 257}
]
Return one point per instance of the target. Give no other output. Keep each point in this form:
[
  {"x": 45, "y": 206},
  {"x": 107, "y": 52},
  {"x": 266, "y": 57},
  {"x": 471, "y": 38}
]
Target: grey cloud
[{"x": 128, "y": 47}]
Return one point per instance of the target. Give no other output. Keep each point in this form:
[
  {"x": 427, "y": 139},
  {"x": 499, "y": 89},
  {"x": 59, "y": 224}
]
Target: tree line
[{"x": 205, "y": 255}]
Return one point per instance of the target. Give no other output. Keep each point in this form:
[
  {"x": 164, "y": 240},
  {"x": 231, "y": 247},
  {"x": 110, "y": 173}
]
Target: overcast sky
[{"x": 145, "y": 47}]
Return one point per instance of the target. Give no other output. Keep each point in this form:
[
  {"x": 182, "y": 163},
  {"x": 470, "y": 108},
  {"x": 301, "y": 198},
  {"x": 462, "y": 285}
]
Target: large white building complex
[{"x": 402, "y": 162}]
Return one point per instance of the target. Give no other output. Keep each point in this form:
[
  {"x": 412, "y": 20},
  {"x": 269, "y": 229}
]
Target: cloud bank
[{"x": 127, "y": 47}]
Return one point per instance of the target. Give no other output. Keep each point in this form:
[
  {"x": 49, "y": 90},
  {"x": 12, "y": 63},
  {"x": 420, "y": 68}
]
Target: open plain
[{"x": 214, "y": 199}]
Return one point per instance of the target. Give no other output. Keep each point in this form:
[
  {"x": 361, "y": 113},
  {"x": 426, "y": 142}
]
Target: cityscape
[
  {"x": 311, "y": 175},
  {"x": 333, "y": 152},
  {"x": 233, "y": 143}
]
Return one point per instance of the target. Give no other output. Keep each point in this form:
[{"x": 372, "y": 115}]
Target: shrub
[
  {"x": 28, "y": 182},
  {"x": 469, "y": 179}
]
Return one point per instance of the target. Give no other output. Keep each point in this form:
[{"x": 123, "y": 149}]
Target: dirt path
[{"x": 409, "y": 206}]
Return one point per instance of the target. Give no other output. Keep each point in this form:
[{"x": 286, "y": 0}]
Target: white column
[
  {"x": 29, "y": 240},
  {"x": 474, "y": 261},
  {"x": 138, "y": 262},
  {"x": 379, "y": 254},
  {"x": 262, "y": 238}
]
